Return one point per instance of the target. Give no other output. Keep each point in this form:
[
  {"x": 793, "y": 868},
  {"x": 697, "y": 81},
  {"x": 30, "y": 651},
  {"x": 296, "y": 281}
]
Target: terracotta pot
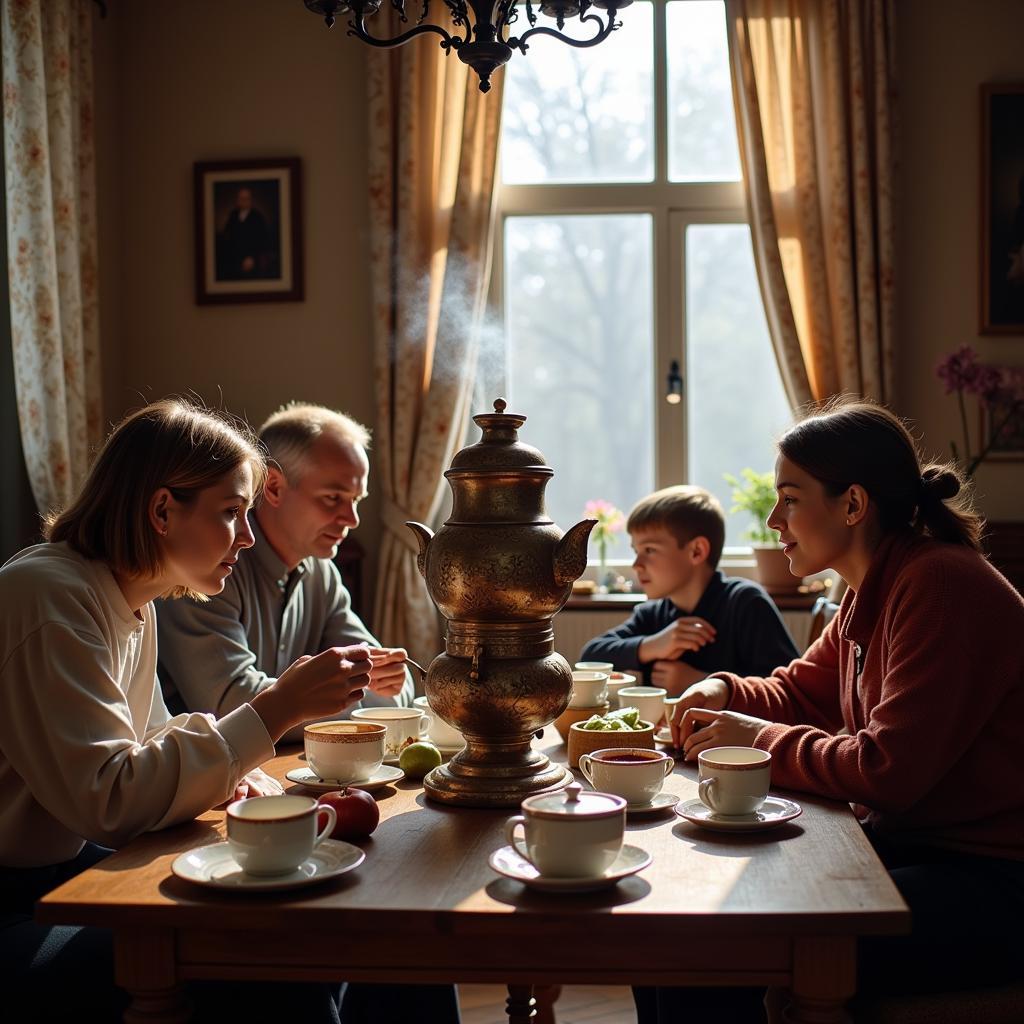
[
  {"x": 773, "y": 569},
  {"x": 570, "y": 716}
]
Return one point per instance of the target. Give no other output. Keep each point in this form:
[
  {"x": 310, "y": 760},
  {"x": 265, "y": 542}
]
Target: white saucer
[
  {"x": 383, "y": 776},
  {"x": 664, "y": 735},
  {"x": 509, "y": 863},
  {"x": 662, "y": 802},
  {"x": 774, "y": 811},
  {"x": 214, "y": 866}
]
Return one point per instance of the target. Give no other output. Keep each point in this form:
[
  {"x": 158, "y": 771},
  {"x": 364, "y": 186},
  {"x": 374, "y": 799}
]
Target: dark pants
[
  {"x": 966, "y": 934},
  {"x": 67, "y": 973}
]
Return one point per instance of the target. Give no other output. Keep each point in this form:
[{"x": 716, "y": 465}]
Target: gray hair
[{"x": 289, "y": 433}]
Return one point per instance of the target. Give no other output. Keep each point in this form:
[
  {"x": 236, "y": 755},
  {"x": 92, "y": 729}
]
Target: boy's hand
[
  {"x": 675, "y": 676},
  {"x": 689, "y": 633}
]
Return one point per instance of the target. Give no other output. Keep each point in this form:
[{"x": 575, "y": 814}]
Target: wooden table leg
[
  {"x": 824, "y": 978},
  {"x": 520, "y": 1005},
  {"x": 545, "y": 997},
  {"x": 144, "y": 967}
]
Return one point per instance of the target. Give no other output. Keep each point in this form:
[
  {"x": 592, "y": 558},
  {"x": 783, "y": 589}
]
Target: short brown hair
[
  {"x": 289, "y": 433},
  {"x": 173, "y": 443},
  {"x": 686, "y": 511}
]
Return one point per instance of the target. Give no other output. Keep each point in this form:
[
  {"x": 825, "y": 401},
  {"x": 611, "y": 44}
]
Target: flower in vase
[
  {"x": 610, "y": 521},
  {"x": 1000, "y": 389}
]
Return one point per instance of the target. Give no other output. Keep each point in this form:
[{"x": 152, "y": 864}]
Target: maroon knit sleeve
[{"x": 806, "y": 691}]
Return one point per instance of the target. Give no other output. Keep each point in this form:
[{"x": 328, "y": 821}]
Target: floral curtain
[
  {"x": 814, "y": 87},
  {"x": 433, "y": 153},
  {"x": 51, "y": 237}
]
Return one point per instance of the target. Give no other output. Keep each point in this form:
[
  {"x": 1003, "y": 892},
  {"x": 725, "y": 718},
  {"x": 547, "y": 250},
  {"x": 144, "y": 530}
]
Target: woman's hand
[
  {"x": 257, "y": 783},
  {"x": 702, "y": 729},
  {"x": 708, "y": 693},
  {"x": 312, "y": 688}
]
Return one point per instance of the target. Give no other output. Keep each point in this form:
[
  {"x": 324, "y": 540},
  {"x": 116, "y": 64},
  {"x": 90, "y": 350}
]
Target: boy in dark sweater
[{"x": 698, "y": 620}]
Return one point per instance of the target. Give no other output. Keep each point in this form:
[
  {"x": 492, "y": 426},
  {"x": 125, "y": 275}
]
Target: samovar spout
[
  {"x": 570, "y": 558},
  {"x": 424, "y": 535}
]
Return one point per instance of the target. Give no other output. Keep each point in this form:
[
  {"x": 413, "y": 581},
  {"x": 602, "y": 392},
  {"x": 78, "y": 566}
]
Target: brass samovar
[{"x": 498, "y": 570}]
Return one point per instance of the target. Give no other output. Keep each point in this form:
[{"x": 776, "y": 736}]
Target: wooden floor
[{"x": 578, "y": 1004}]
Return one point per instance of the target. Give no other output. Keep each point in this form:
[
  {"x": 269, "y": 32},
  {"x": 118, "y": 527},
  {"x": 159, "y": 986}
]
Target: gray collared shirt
[{"x": 216, "y": 655}]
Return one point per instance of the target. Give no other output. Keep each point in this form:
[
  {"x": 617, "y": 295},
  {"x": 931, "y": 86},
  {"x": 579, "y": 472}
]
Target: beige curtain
[
  {"x": 51, "y": 239},
  {"x": 433, "y": 150},
  {"x": 813, "y": 83}
]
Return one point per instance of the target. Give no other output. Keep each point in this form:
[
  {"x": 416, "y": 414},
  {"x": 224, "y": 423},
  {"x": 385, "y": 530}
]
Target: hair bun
[{"x": 939, "y": 483}]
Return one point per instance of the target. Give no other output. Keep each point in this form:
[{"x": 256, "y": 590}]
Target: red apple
[{"x": 357, "y": 811}]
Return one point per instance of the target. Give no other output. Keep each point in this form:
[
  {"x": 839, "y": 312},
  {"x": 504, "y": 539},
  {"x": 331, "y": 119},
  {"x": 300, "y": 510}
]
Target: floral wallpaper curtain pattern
[
  {"x": 51, "y": 234},
  {"x": 814, "y": 87}
]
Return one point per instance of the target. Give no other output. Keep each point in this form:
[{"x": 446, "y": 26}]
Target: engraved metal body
[{"x": 498, "y": 570}]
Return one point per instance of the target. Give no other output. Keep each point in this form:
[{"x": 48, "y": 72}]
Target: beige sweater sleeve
[{"x": 92, "y": 744}]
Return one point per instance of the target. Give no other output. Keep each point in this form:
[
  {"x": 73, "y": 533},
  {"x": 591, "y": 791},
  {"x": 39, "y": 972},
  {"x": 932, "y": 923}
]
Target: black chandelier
[{"x": 485, "y": 44}]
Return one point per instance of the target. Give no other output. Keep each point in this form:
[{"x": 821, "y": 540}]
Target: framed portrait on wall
[
  {"x": 248, "y": 226},
  {"x": 1002, "y": 208}
]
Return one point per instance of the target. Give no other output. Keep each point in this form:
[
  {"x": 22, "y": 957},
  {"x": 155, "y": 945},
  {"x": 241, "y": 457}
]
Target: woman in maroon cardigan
[{"x": 910, "y": 705}]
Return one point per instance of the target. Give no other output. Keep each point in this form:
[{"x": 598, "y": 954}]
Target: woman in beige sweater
[{"x": 89, "y": 757}]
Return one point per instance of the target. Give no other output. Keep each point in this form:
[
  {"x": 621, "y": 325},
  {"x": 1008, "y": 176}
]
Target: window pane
[
  {"x": 581, "y": 115},
  {"x": 702, "y": 124},
  {"x": 579, "y": 325},
  {"x": 736, "y": 404}
]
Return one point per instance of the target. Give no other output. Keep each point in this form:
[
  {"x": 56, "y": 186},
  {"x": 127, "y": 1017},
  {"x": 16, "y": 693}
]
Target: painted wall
[
  {"x": 946, "y": 49},
  {"x": 195, "y": 80}
]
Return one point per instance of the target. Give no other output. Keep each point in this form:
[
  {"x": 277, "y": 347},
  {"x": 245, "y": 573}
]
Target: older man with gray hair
[{"x": 285, "y": 599}]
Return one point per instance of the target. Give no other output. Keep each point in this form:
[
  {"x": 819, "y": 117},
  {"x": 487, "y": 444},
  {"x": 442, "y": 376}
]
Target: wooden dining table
[{"x": 780, "y": 908}]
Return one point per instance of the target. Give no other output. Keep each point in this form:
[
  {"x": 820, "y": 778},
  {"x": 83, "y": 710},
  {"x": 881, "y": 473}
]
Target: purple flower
[
  {"x": 959, "y": 370},
  {"x": 988, "y": 383}
]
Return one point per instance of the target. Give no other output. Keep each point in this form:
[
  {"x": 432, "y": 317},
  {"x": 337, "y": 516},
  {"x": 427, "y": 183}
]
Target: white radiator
[{"x": 574, "y": 628}]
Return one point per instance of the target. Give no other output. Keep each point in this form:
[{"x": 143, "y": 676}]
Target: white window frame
[{"x": 673, "y": 206}]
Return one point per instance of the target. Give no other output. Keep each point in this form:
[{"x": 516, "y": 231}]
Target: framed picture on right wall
[{"x": 1002, "y": 208}]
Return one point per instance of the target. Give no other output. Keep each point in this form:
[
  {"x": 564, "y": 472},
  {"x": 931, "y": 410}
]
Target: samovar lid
[{"x": 499, "y": 447}]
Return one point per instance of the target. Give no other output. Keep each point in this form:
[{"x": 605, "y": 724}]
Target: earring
[{"x": 849, "y": 522}]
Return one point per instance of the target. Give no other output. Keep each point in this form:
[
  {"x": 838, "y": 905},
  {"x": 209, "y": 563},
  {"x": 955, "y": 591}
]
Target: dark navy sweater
[{"x": 750, "y": 639}]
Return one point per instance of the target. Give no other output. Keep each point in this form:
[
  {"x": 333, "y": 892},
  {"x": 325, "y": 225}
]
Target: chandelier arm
[
  {"x": 603, "y": 32},
  {"x": 448, "y": 41}
]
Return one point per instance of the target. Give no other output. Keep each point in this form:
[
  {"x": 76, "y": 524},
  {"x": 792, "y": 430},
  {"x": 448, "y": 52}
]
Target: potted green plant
[{"x": 755, "y": 494}]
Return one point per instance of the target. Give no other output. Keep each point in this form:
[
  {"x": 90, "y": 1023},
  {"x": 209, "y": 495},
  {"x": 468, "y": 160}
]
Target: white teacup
[
  {"x": 404, "y": 725},
  {"x": 273, "y": 835},
  {"x": 616, "y": 682},
  {"x": 634, "y": 773},
  {"x": 733, "y": 780},
  {"x": 651, "y": 700},
  {"x": 595, "y": 666},
  {"x": 588, "y": 689},
  {"x": 344, "y": 751},
  {"x": 439, "y": 732},
  {"x": 569, "y": 834}
]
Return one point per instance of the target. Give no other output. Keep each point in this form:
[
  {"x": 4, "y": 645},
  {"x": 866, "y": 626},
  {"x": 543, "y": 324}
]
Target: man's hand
[
  {"x": 257, "y": 783},
  {"x": 675, "y": 676},
  {"x": 708, "y": 693},
  {"x": 702, "y": 729},
  {"x": 387, "y": 676},
  {"x": 689, "y": 633},
  {"x": 313, "y": 688}
]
